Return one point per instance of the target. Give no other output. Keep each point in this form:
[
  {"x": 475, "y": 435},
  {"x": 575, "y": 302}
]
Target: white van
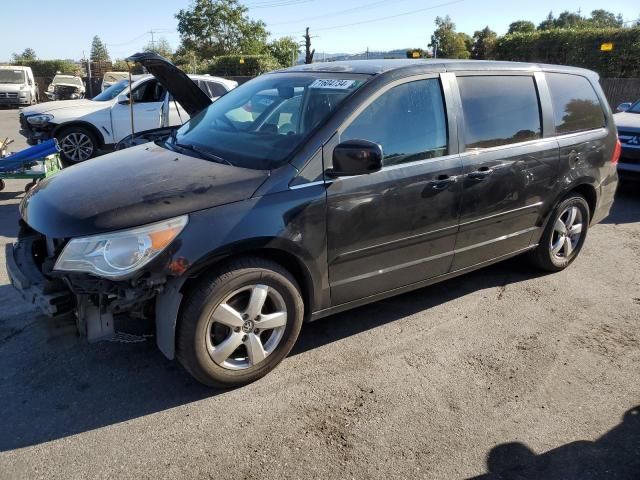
[{"x": 17, "y": 86}]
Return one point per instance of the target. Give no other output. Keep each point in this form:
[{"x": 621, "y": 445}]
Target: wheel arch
[
  {"x": 79, "y": 123},
  {"x": 169, "y": 303}
]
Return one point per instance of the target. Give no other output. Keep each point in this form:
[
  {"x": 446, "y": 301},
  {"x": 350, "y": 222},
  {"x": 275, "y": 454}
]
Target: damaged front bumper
[
  {"x": 35, "y": 135},
  {"x": 50, "y": 296}
]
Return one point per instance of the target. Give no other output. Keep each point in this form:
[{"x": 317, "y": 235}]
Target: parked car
[
  {"x": 17, "y": 86},
  {"x": 83, "y": 127},
  {"x": 111, "y": 78},
  {"x": 628, "y": 123},
  {"x": 361, "y": 180},
  {"x": 65, "y": 87}
]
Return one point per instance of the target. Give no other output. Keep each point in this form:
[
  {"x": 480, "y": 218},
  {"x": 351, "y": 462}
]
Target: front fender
[{"x": 291, "y": 223}]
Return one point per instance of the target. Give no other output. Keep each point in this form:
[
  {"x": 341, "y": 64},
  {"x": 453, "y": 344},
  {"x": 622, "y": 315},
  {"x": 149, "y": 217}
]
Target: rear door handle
[{"x": 480, "y": 174}]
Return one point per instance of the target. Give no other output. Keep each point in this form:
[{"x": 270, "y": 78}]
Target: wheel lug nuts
[
  {"x": 244, "y": 339},
  {"x": 245, "y": 317},
  {"x": 237, "y": 329},
  {"x": 256, "y": 331}
]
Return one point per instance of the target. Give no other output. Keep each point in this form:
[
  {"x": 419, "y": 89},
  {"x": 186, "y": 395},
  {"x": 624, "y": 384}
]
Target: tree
[
  {"x": 569, "y": 19},
  {"x": 549, "y": 23},
  {"x": 484, "y": 42},
  {"x": 99, "y": 51},
  {"x": 286, "y": 50},
  {"x": 28, "y": 55},
  {"x": 220, "y": 27},
  {"x": 161, "y": 47},
  {"x": 308, "y": 53},
  {"x": 447, "y": 42},
  {"x": 605, "y": 19},
  {"x": 521, "y": 26}
]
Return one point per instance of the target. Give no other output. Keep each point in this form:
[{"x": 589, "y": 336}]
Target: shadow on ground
[
  {"x": 614, "y": 456},
  {"x": 53, "y": 384},
  {"x": 627, "y": 206}
]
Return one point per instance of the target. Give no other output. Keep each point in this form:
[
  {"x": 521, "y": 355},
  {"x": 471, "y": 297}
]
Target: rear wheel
[
  {"x": 564, "y": 236},
  {"x": 239, "y": 323},
  {"x": 77, "y": 144}
]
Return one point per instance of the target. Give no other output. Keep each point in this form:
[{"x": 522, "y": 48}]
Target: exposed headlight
[
  {"x": 118, "y": 255},
  {"x": 39, "y": 120}
]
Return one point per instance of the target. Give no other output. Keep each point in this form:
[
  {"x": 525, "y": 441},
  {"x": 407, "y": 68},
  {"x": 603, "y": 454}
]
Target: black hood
[
  {"x": 132, "y": 187},
  {"x": 183, "y": 89}
]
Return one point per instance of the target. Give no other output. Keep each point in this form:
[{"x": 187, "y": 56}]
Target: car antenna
[{"x": 131, "y": 99}]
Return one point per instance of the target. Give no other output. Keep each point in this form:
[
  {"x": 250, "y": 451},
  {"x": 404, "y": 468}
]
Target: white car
[
  {"x": 17, "y": 86},
  {"x": 628, "y": 125},
  {"x": 111, "y": 78},
  {"x": 84, "y": 127},
  {"x": 65, "y": 87}
]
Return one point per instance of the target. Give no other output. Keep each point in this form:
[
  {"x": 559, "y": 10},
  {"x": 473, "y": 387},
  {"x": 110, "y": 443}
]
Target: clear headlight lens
[
  {"x": 39, "y": 119},
  {"x": 118, "y": 255}
]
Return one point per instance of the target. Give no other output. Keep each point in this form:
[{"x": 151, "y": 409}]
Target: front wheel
[
  {"x": 77, "y": 144},
  {"x": 564, "y": 236},
  {"x": 239, "y": 323}
]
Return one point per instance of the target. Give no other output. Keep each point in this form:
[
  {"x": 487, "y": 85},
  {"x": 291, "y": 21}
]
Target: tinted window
[
  {"x": 499, "y": 110},
  {"x": 149, "y": 92},
  {"x": 576, "y": 106},
  {"x": 408, "y": 121},
  {"x": 215, "y": 89}
]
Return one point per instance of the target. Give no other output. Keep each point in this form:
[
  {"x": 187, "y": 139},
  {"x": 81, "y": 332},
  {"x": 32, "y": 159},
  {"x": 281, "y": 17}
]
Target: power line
[
  {"x": 335, "y": 14},
  {"x": 379, "y": 19}
]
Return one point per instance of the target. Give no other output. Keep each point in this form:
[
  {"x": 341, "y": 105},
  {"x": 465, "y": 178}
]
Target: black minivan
[{"x": 314, "y": 190}]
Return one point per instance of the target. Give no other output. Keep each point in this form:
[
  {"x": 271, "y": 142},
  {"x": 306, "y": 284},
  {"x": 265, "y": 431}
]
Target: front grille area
[{"x": 8, "y": 94}]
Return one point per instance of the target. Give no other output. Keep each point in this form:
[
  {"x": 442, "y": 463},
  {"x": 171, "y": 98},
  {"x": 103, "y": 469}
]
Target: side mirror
[
  {"x": 623, "y": 107},
  {"x": 356, "y": 157},
  {"x": 123, "y": 99}
]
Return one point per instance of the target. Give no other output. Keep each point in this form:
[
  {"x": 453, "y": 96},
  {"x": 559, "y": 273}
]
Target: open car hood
[{"x": 183, "y": 89}]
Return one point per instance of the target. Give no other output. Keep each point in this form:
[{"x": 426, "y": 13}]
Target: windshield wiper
[{"x": 202, "y": 153}]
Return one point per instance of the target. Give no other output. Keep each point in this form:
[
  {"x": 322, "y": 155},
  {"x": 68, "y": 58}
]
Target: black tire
[
  {"x": 543, "y": 256},
  {"x": 68, "y": 134},
  {"x": 2, "y": 185},
  {"x": 193, "y": 330}
]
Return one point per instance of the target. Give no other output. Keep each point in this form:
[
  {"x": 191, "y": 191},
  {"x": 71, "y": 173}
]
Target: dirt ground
[{"x": 503, "y": 373}]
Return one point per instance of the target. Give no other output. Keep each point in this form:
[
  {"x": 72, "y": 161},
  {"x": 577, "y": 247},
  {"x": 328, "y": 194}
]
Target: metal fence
[{"x": 620, "y": 90}]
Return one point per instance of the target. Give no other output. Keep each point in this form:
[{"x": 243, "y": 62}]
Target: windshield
[
  {"x": 112, "y": 92},
  {"x": 635, "y": 108},
  {"x": 260, "y": 124},
  {"x": 12, "y": 76},
  {"x": 67, "y": 79}
]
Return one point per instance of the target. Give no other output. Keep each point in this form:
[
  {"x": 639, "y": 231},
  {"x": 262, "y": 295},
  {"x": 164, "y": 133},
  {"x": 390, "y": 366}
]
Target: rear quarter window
[
  {"x": 576, "y": 106},
  {"x": 499, "y": 110}
]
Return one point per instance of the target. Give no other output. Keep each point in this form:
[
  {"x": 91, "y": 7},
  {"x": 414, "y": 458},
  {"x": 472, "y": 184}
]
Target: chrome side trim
[
  {"x": 413, "y": 263},
  {"x": 307, "y": 185}
]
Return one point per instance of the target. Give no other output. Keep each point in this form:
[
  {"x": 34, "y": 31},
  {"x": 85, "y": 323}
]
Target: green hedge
[
  {"x": 576, "y": 47},
  {"x": 231, "y": 65},
  {"x": 48, "y": 68}
]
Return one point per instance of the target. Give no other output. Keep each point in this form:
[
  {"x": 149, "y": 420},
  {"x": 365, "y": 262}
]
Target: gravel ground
[{"x": 503, "y": 373}]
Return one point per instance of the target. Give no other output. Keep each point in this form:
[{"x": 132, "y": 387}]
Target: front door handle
[
  {"x": 442, "y": 182},
  {"x": 480, "y": 174}
]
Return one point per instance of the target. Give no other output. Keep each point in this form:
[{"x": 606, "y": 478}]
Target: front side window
[
  {"x": 499, "y": 110},
  {"x": 576, "y": 106},
  {"x": 408, "y": 121},
  {"x": 149, "y": 92},
  {"x": 261, "y": 123}
]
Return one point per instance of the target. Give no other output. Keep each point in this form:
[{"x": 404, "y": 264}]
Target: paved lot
[{"x": 472, "y": 377}]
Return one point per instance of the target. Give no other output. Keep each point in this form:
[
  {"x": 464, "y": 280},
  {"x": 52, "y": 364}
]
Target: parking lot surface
[{"x": 503, "y": 370}]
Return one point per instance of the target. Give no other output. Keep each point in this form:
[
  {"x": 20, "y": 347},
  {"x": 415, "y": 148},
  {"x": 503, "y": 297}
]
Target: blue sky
[{"x": 373, "y": 24}]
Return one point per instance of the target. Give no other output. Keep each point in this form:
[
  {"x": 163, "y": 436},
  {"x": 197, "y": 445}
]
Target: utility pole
[
  {"x": 307, "y": 44},
  {"x": 153, "y": 43},
  {"x": 367, "y": 53}
]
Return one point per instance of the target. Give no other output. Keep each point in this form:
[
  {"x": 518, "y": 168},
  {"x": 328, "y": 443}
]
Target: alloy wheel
[
  {"x": 246, "y": 327},
  {"x": 567, "y": 232},
  {"x": 76, "y": 146}
]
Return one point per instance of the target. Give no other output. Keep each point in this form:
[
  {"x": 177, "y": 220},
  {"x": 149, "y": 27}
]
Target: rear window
[
  {"x": 576, "y": 106},
  {"x": 499, "y": 110}
]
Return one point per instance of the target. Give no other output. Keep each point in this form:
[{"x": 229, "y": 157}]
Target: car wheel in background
[
  {"x": 564, "y": 235},
  {"x": 77, "y": 144},
  {"x": 238, "y": 323}
]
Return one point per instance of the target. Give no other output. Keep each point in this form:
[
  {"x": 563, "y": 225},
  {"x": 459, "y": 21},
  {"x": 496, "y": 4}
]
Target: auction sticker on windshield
[{"x": 333, "y": 83}]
